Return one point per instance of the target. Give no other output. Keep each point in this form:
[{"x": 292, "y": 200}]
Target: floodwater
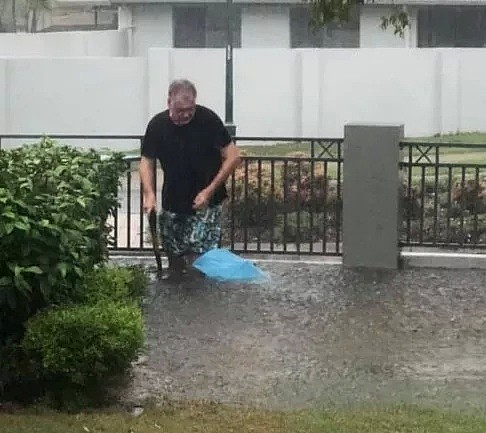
[{"x": 319, "y": 335}]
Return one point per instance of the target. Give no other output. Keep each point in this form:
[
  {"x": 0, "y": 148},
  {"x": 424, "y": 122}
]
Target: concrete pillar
[
  {"x": 371, "y": 195},
  {"x": 411, "y": 33},
  {"x": 125, "y": 23}
]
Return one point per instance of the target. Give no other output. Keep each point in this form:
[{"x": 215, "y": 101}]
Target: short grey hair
[{"x": 182, "y": 85}]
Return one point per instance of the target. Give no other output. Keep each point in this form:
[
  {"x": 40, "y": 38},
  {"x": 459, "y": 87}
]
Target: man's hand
[
  {"x": 202, "y": 200},
  {"x": 147, "y": 167},
  {"x": 231, "y": 158},
  {"x": 149, "y": 202}
]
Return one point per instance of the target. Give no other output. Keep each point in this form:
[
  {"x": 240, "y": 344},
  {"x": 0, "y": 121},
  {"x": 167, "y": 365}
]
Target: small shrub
[
  {"x": 19, "y": 376},
  {"x": 138, "y": 281},
  {"x": 114, "y": 283},
  {"x": 81, "y": 348},
  {"x": 54, "y": 204},
  {"x": 471, "y": 196},
  {"x": 253, "y": 201},
  {"x": 258, "y": 205},
  {"x": 307, "y": 185}
]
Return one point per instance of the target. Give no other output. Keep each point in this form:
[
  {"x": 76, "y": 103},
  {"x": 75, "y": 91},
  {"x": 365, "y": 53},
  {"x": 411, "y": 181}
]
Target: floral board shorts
[{"x": 186, "y": 234}]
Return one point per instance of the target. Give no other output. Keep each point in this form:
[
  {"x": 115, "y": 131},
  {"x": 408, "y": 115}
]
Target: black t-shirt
[{"x": 190, "y": 156}]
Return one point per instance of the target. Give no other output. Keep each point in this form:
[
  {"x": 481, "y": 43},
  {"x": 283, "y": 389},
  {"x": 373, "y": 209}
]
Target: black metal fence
[
  {"x": 444, "y": 195},
  {"x": 278, "y": 204},
  {"x": 293, "y": 204},
  {"x": 287, "y": 204}
]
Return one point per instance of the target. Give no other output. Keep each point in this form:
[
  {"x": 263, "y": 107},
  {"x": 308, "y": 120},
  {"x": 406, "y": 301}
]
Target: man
[{"x": 197, "y": 156}]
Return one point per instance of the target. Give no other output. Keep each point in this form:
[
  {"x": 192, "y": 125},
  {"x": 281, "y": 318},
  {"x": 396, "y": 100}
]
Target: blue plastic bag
[{"x": 221, "y": 264}]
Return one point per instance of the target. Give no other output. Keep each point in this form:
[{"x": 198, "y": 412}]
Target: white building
[
  {"x": 284, "y": 24},
  {"x": 434, "y": 24},
  {"x": 282, "y": 85},
  {"x": 271, "y": 23},
  {"x": 201, "y": 24}
]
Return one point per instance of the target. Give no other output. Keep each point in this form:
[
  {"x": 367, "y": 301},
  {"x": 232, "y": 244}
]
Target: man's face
[{"x": 182, "y": 107}]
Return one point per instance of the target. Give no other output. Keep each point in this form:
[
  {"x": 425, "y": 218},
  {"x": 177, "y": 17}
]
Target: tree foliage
[
  {"x": 327, "y": 11},
  {"x": 22, "y": 14}
]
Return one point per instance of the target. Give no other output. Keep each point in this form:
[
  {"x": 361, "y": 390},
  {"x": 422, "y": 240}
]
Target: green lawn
[
  {"x": 447, "y": 155},
  {"x": 457, "y": 155},
  {"x": 465, "y": 157},
  {"x": 286, "y": 149},
  {"x": 463, "y": 137},
  {"x": 279, "y": 149},
  {"x": 453, "y": 154},
  {"x": 211, "y": 418}
]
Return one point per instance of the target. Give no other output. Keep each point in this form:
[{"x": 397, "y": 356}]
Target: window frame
[{"x": 176, "y": 9}]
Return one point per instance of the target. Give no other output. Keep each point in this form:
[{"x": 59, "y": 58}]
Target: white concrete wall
[
  {"x": 4, "y": 106},
  {"x": 264, "y": 96},
  {"x": 266, "y": 86},
  {"x": 73, "y": 96},
  {"x": 204, "y": 67},
  {"x": 371, "y": 35},
  {"x": 278, "y": 92},
  {"x": 265, "y": 26},
  {"x": 66, "y": 44},
  {"x": 382, "y": 86},
  {"x": 471, "y": 91},
  {"x": 152, "y": 27}
]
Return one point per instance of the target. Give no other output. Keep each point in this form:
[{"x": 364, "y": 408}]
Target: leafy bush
[
  {"x": 19, "y": 376},
  {"x": 299, "y": 185},
  {"x": 54, "y": 204},
  {"x": 114, "y": 283},
  {"x": 471, "y": 196},
  {"x": 81, "y": 347},
  {"x": 24, "y": 376},
  {"x": 303, "y": 203},
  {"x": 452, "y": 213},
  {"x": 254, "y": 200}
]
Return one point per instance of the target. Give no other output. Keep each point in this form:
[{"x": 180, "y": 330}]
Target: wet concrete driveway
[{"x": 320, "y": 335}]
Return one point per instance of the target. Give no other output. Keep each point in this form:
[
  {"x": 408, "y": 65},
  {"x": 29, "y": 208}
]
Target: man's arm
[
  {"x": 149, "y": 153},
  {"x": 147, "y": 166},
  {"x": 231, "y": 159}
]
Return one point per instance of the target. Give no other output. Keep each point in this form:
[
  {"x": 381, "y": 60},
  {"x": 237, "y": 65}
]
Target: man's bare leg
[
  {"x": 176, "y": 267},
  {"x": 190, "y": 259}
]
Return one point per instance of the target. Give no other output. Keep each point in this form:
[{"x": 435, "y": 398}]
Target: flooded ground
[{"x": 319, "y": 335}]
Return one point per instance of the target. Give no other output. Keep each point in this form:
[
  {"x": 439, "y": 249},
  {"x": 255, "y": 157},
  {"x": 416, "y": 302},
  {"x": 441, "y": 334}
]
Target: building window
[
  {"x": 333, "y": 35},
  {"x": 451, "y": 26},
  {"x": 204, "y": 26}
]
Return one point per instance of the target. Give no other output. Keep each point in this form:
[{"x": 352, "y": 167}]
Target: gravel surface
[{"x": 319, "y": 335}]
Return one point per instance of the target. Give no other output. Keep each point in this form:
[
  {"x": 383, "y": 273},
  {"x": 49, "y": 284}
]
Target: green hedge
[
  {"x": 303, "y": 204},
  {"x": 54, "y": 204},
  {"x": 68, "y": 320},
  {"x": 114, "y": 283},
  {"x": 460, "y": 216},
  {"x": 302, "y": 194},
  {"x": 80, "y": 348}
]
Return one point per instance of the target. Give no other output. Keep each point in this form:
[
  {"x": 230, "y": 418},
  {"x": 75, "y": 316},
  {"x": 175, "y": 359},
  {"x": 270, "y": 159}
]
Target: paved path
[{"x": 319, "y": 335}]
